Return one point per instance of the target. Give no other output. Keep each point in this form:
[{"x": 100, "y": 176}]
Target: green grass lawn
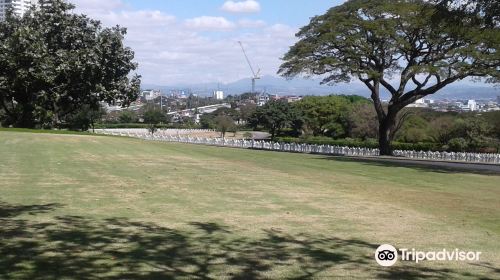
[{"x": 85, "y": 207}]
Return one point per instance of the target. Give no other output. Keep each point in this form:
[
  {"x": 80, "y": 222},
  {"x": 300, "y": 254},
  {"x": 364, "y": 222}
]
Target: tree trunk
[
  {"x": 92, "y": 121},
  {"x": 385, "y": 134},
  {"x": 55, "y": 117},
  {"x": 25, "y": 119}
]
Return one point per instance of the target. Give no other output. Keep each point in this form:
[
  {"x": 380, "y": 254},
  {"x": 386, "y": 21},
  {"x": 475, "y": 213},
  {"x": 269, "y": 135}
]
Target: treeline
[
  {"x": 352, "y": 121},
  {"x": 335, "y": 120}
]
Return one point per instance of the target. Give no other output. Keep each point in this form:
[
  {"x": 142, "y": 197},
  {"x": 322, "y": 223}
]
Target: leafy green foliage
[
  {"x": 246, "y": 110},
  {"x": 127, "y": 117},
  {"x": 457, "y": 144},
  {"x": 224, "y": 123},
  {"x": 207, "y": 121},
  {"x": 485, "y": 12},
  {"x": 323, "y": 114},
  {"x": 493, "y": 118},
  {"x": 413, "y": 130},
  {"x": 84, "y": 118},
  {"x": 423, "y": 130},
  {"x": 154, "y": 116},
  {"x": 361, "y": 121},
  {"x": 275, "y": 116},
  {"x": 53, "y": 62}
]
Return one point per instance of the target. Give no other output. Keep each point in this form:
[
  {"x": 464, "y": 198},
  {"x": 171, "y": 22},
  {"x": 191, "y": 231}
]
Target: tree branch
[
  {"x": 388, "y": 86},
  {"x": 419, "y": 84},
  {"x": 416, "y": 94}
]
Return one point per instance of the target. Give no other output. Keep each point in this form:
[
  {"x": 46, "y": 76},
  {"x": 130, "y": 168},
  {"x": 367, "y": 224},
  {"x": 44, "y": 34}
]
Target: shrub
[{"x": 457, "y": 144}]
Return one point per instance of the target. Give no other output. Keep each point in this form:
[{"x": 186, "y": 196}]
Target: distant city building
[
  {"x": 420, "y": 103},
  {"x": 471, "y": 106},
  {"x": 454, "y": 105},
  {"x": 19, "y": 7},
  {"x": 263, "y": 98},
  {"x": 291, "y": 99},
  {"x": 218, "y": 95},
  {"x": 151, "y": 94}
]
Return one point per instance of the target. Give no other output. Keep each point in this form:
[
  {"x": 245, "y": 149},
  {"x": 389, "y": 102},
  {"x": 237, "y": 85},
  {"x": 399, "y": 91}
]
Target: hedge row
[
  {"x": 136, "y": 125},
  {"x": 370, "y": 143}
]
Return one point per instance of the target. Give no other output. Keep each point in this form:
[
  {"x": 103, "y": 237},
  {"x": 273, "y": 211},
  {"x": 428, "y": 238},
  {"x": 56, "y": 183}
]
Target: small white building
[
  {"x": 151, "y": 94},
  {"x": 420, "y": 103},
  {"x": 472, "y": 105},
  {"x": 218, "y": 95},
  {"x": 263, "y": 98}
]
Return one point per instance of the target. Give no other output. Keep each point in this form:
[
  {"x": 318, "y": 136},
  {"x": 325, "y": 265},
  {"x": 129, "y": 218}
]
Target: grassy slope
[{"x": 124, "y": 208}]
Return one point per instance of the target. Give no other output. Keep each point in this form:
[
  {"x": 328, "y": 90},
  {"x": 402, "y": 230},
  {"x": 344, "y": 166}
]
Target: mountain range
[{"x": 301, "y": 86}]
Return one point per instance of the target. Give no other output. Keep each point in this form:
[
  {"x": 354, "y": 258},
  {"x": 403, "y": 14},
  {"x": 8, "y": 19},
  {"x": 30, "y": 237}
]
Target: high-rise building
[
  {"x": 19, "y": 7},
  {"x": 218, "y": 95}
]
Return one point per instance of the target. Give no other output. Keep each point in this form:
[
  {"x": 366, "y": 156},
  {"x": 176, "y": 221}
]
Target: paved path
[{"x": 443, "y": 166}]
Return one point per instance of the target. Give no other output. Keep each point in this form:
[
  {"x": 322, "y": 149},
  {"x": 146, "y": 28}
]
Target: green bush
[
  {"x": 128, "y": 125},
  {"x": 322, "y": 140},
  {"x": 417, "y": 146},
  {"x": 369, "y": 143},
  {"x": 457, "y": 144},
  {"x": 143, "y": 125}
]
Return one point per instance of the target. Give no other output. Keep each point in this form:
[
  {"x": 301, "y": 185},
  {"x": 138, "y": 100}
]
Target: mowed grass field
[{"x": 88, "y": 207}]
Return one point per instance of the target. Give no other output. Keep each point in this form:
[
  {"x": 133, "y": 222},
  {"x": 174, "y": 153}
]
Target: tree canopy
[
  {"x": 53, "y": 62},
  {"x": 323, "y": 114},
  {"x": 394, "y": 45},
  {"x": 275, "y": 116}
]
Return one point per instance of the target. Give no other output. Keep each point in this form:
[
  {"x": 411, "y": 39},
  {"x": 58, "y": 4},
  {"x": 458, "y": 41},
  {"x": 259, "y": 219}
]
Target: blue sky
[
  {"x": 196, "y": 41},
  {"x": 279, "y": 11}
]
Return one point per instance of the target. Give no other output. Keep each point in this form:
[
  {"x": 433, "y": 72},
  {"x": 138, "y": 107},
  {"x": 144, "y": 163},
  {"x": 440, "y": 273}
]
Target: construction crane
[{"x": 256, "y": 76}]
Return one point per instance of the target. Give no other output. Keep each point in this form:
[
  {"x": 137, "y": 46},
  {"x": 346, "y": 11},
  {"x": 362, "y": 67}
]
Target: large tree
[
  {"x": 396, "y": 46},
  {"x": 224, "y": 123},
  {"x": 53, "y": 62},
  {"x": 276, "y": 115},
  {"x": 323, "y": 114}
]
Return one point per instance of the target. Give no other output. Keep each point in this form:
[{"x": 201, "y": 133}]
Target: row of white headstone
[
  {"x": 302, "y": 148},
  {"x": 141, "y": 131}
]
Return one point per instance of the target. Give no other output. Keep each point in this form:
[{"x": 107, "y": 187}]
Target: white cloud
[
  {"x": 209, "y": 23},
  {"x": 247, "y": 23},
  {"x": 282, "y": 30},
  {"x": 247, "y": 6},
  {"x": 173, "y": 51}
]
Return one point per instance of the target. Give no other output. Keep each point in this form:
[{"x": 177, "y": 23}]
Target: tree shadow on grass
[
  {"x": 427, "y": 166},
  {"x": 9, "y": 210},
  {"x": 72, "y": 247}
]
